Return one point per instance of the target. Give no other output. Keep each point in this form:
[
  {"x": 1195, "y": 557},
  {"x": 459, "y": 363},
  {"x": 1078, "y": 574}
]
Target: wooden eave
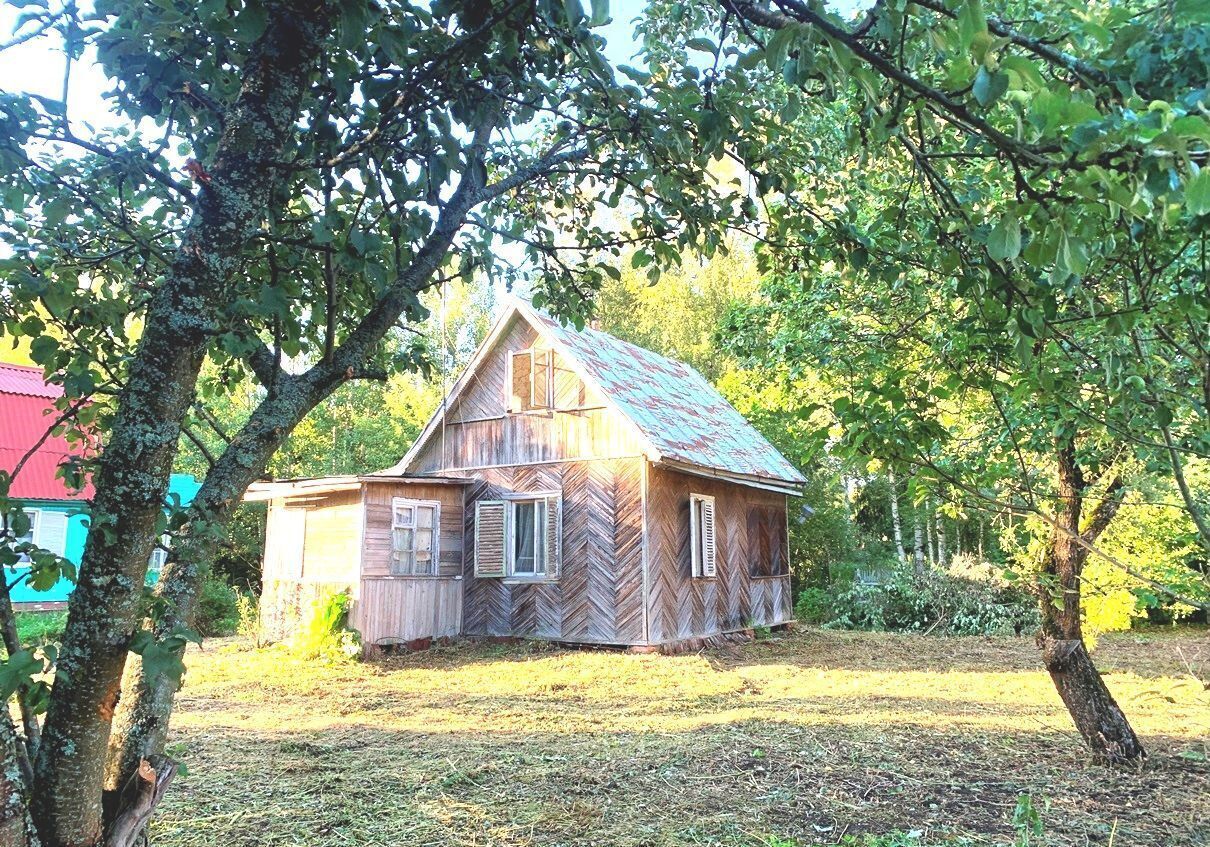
[{"x": 323, "y": 485}]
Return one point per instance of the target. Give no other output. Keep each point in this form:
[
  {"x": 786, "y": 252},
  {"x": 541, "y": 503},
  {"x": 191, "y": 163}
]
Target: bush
[
  {"x": 218, "y": 608},
  {"x": 813, "y": 605},
  {"x": 934, "y": 601},
  {"x": 325, "y": 634}
]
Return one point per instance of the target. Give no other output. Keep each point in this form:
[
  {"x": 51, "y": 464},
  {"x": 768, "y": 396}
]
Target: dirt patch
[{"x": 799, "y": 739}]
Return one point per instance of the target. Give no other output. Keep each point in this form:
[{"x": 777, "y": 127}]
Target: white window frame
[
  {"x": 510, "y": 534},
  {"x": 159, "y": 554},
  {"x": 548, "y": 402},
  {"x": 35, "y": 517},
  {"x": 699, "y": 567},
  {"x": 395, "y": 565}
]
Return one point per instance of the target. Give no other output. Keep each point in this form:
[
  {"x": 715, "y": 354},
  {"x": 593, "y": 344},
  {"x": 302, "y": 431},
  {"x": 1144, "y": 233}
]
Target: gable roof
[
  {"x": 680, "y": 417},
  {"x": 26, "y": 412}
]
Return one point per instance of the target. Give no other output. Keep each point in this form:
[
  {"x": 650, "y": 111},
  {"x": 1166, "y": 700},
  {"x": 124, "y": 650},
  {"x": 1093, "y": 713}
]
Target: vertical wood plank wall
[
  {"x": 682, "y": 606},
  {"x": 393, "y": 609},
  {"x": 325, "y": 533},
  {"x": 598, "y": 597}
]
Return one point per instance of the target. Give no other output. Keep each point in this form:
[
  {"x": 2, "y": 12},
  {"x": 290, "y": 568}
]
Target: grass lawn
[{"x": 814, "y": 737}]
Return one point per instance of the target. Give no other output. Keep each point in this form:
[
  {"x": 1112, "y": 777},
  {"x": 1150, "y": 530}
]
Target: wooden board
[
  {"x": 376, "y": 551},
  {"x": 479, "y": 432},
  {"x": 598, "y": 597},
  {"x": 392, "y": 611},
  {"x": 682, "y": 606},
  {"x": 312, "y": 548}
]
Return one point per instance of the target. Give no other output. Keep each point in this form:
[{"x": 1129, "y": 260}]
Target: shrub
[
  {"x": 934, "y": 601},
  {"x": 217, "y": 608},
  {"x": 813, "y": 605},
  {"x": 325, "y": 634},
  {"x": 248, "y": 610}
]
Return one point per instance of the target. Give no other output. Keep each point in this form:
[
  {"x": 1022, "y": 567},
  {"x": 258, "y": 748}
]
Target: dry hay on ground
[{"x": 801, "y": 739}]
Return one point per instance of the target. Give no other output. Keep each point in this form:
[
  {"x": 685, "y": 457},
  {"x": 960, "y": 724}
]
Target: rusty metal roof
[{"x": 679, "y": 413}]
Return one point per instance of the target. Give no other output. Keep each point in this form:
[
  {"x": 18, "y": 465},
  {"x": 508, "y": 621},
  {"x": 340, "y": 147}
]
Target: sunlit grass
[{"x": 799, "y": 738}]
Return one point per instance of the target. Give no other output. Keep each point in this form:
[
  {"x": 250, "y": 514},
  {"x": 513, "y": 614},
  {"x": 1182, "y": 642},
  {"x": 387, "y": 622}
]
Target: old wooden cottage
[{"x": 572, "y": 487}]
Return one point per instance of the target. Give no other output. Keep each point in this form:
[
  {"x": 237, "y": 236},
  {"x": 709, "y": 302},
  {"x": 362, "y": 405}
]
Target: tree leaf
[
  {"x": 1004, "y": 241},
  {"x": 600, "y": 13},
  {"x": 1197, "y": 193},
  {"x": 989, "y": 87}
]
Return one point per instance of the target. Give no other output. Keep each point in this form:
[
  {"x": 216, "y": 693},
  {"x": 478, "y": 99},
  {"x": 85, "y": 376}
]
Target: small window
[
  {"x": 701, "y": 535},
  {"x": 414, "y": 526},
  {"x": 159, "y": 556},
  {"x": 530, "y": 382},
  {"x": 529, "y": 538},
  {"x": 30, "y": 534}
]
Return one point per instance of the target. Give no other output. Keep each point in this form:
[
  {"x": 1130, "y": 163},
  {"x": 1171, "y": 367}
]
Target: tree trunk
[
  {"x": 16, "y": 826},
  {"x": 1095, "y": 713},
  {"x": 27, "y": 744},
  {"x": 918, "y": 531},
  {"x": 141, "y": 726},
  {"x": 942, "y": 551},
  {"x": 132, "y": 479},
  {"x": 896, "y": 526},
  {"x": 931, "y": 531}
]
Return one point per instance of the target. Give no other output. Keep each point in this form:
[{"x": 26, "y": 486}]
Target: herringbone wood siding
[
  {"x": 598, "y": 597},
  {"x": 682, "y": 606}
]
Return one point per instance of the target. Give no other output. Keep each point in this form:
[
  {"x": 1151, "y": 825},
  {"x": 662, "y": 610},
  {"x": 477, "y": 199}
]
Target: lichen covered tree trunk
[
  {"x": 141, "y": 726},
  {"x": 1092, "y": 707},
  {"x": 133, "y": 475}
]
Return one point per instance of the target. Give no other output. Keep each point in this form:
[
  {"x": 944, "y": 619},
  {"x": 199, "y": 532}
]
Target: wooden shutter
[
  {"x": 554, "y": 535},
  {"x": 489, "y": 538},
  {"x": 520, "y": 381},
  {"x": 542, "y": 371},
  {"x": 708, "y": 546},
  {"x": 50, "y": 532}
]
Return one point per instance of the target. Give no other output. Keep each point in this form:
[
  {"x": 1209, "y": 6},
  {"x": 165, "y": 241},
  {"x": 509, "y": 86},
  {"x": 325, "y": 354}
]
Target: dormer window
[{"x": 530, "y": 380}]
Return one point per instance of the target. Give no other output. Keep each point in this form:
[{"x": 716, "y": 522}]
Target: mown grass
[{"x": 815, "y": 737}]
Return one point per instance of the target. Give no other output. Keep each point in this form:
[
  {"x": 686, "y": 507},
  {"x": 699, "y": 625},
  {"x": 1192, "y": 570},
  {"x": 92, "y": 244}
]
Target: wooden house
[{"x": 572, "y": 487}]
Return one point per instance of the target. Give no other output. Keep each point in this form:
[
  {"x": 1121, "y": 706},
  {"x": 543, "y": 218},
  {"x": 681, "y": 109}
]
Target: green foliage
[
  {"x": 248, "y": 610},
  {"x": 37, "y": 628},
  {"x": 814, "y": 605},
  {"x": 163, "y": 657},
  {"x": 1027, "y": 821},
  {"x": 218, "y": 608},
  {"x": 934, "y": 601},
  {"x": 324, "y": 633}
]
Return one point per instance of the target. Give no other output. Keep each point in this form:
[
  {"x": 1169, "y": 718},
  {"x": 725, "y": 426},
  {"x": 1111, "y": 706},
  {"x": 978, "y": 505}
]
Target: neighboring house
[
  {"x": 573, "y": 487},
  {"x": 58, "y": 515}
]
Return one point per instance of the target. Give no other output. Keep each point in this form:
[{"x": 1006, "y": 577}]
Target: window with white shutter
[
  {"x": 702, "y": 536},
  {"x": 414, "y": 537}
]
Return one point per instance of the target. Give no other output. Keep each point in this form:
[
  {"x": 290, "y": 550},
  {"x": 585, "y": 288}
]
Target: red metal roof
[{"x": 26, "y": 412}]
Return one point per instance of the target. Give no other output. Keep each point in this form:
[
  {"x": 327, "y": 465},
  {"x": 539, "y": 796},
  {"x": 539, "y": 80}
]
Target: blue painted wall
[{"x": 183, "y": 486}]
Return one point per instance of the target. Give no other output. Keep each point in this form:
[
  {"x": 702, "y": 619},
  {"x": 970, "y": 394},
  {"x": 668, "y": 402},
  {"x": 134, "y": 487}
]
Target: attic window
[{"x": 530, "y": 382}]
